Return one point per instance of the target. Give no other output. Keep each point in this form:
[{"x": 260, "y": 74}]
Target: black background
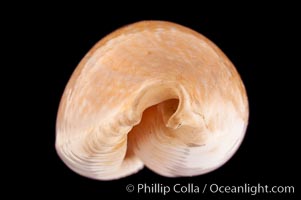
[{"x": 259, "y": 41}]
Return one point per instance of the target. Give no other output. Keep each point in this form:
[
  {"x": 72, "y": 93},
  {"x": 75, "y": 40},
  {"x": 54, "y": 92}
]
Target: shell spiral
[{"x": 152, "y": 93}]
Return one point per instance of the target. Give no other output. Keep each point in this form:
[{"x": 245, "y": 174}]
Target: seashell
[{"x": 152, "y": 93}]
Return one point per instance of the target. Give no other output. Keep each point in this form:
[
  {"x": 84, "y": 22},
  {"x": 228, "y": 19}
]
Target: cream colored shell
[{"x": 152, "y": 93}]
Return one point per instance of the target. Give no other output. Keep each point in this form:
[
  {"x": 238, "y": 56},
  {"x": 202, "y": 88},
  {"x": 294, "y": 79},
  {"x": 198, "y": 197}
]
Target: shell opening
[{"x": 165, "y": 110}]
